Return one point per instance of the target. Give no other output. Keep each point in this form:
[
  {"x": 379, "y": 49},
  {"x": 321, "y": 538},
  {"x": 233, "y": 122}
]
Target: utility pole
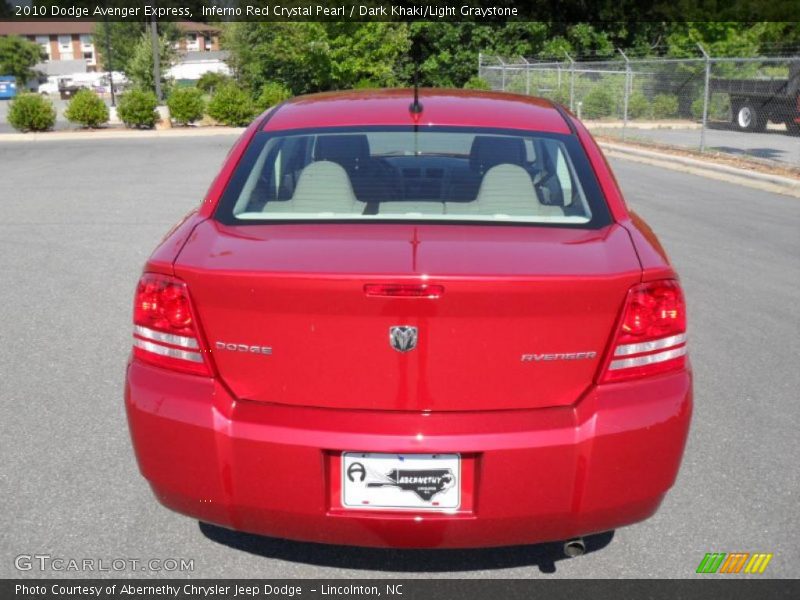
[
  {"x": 108, "y": 62},
  {"x": 705, "y": 97},
  {"x": 156, "y": 58},
  {"x": 571, "y": 82},
  {"x": 527, "y": 76},
  {"x": 626, "y": 95}
]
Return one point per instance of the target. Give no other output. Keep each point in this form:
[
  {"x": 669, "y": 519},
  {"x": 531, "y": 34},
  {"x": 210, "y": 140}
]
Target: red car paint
[{"x": 550, "y": 449}]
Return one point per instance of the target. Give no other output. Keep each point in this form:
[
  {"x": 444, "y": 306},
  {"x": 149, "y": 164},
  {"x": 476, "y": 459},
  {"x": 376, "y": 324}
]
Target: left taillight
[{"x": 165, "y": 329}]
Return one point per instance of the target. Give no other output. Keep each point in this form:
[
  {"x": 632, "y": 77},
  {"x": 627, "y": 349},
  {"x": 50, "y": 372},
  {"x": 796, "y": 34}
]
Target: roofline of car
[
  {"x": 555, "y": 106},
  {"x": 564, "y": 115},
  {"x": 268, "y": 115}
]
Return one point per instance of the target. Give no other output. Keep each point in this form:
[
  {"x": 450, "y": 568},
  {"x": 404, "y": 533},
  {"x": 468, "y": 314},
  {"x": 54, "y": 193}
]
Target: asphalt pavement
[
  {"x": 79, "y": 219},
  {"x": 773, "y": 145}
]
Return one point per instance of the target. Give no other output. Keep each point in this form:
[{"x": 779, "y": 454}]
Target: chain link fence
[{"x": 702, "y": 103}]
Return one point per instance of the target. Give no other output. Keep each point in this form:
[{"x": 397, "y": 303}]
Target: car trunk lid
[{"x": 522, "y": 320}]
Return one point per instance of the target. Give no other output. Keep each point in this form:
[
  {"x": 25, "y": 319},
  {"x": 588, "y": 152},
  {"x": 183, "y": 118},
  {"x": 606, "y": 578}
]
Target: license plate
[{"x": 372, "y": 481}]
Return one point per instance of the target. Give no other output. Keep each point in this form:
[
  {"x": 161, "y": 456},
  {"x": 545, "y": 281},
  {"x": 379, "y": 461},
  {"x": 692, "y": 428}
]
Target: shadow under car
[{"x": 543, "y": 556}]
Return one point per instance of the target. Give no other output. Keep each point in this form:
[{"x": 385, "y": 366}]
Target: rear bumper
[{"x": 535, "y": 476}]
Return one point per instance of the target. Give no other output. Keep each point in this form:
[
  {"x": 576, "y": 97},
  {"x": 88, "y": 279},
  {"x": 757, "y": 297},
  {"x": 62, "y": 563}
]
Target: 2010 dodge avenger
[{"x": 411, "y": 324}]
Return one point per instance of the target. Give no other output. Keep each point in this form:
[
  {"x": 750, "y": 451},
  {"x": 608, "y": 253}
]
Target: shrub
[
  {"x": 137, "y": 108},
  {"x": 597, "y": 104},
  {"x": 139, "y": 69},
  {"x": 231, "y": 106},
  {"x": 697, "y": 108},
  {"x": 638, "y": 106},
  {"x": 515, "y": 84},
  {"x": 31, "y": 112},
  {"x": 719, "y": 107},
  {"x": 271, "y": 94},
  {"x": 365, "y": 83},
  {"x": 559, "y": 95},
  {"x": 186, "y": 105},
  {"x": 87, "y": 109},
  {"x": 477, "y": 83},
  {"x": 211, "y": 80},
  {"x": 665, "y": 106}
]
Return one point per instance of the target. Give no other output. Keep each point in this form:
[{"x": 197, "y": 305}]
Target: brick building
[{"x": 72, "y": 41}]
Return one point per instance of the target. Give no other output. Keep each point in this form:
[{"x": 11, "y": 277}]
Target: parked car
[
  {"x": 8, "y": 87},
  {"x": 435, "y": 325},
  {"x": 754, "y": 102}
]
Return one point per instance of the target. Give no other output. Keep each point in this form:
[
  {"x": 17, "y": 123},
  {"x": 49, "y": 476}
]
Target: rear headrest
[
  {"x": 508, "y": 189},
  {"x": 324, "y": 186},
  {"x": 341, "y": 149},
  {"x": 488, "y": 151}
]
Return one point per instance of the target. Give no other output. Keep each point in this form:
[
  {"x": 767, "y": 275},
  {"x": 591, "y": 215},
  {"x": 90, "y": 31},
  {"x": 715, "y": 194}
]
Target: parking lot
[{"x": 79, "y": 219}]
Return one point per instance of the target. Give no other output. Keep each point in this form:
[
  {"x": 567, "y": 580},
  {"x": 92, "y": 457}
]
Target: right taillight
[
  {"x": 165, "y": 331},
  {"x": 651, "y": 337}
]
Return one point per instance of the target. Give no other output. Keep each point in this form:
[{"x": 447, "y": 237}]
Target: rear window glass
[{"x": 433, "y": 174}]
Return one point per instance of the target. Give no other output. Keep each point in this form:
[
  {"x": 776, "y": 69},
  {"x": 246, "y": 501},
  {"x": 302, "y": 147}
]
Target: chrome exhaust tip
[{"x": 574, "y": 548}]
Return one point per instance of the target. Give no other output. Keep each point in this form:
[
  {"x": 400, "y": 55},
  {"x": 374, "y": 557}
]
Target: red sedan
[{"x": 411, "y": 325}]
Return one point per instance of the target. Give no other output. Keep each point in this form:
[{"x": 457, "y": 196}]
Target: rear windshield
[{"x": 398, "y": 174}]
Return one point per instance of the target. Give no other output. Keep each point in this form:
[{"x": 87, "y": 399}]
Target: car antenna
[{"x": 416, "y": 54}]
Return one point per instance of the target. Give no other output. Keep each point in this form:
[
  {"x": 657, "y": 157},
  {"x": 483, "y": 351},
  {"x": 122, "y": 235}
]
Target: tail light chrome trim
[
  {"x": 647, "y": 359},
  {"x": 166, "y": 338},
  {"x": 651, "y": 346},
  {"x": 166, "y": 351}
]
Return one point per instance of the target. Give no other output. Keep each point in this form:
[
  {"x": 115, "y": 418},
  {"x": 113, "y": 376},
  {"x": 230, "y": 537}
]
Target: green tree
[
  {"x": 295, "y": 54},
  {"x": 718, "y": 38},
  {"x": 367, "y": 51},
  {"x": 124, "y": 36},
  {"x": 778, "y": 37},
  {"x": 450, "y": 50},
  {"x": 140, "y": 67},
  {"x": 586, "y": 41},
  {"x": 313, "y": 56},
  {"x": 17, "y": 58},
  {"x": 309, "y": 57}
]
